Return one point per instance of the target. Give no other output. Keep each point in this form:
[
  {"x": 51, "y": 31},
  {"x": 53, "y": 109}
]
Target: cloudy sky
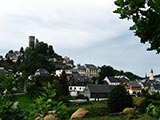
[{"x": 86, "y": 30}]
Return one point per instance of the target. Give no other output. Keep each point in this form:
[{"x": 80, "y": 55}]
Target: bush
[
  {"x": 144, "y": 105},
  {"x": 138, "y": 101},
  {"x": 119, "y": 99},
  {"x": 12, "y": 111}
]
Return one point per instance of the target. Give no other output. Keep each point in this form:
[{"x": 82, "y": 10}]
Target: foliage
[
  {"x": 105, "y": 71},
  {"x": 10, "y": 110},
  {"x": 47, "y": 102},
  {"x": 154, "y": 109},
  {"x": 119, "y": 99},
  {"x": 25, "y": 102},
  {"x": 64, "y": 84},
  {"x": 145, "y": 15},
  {"x": 6, "y": 82},
  {"x": 36, "y": 87}
]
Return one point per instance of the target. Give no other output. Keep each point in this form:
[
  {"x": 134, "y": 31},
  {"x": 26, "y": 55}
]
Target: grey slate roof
[
  {"x": 134, "y": 83},
  {"x": 90, "y": 66},
  {"x": 156, "y": 87},
  {"x": 42, "y": 72},
  {"x": 79, "y": 80},
  {"x": 81, "y": 68},
  {"x": 101, "y": 88},
  {"x": 118, "y": 80}
]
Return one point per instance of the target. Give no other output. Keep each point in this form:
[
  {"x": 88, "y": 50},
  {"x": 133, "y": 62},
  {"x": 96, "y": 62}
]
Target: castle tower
[
  {"x": 151, "y": 75},
  {"x": 32, "y": 42}
]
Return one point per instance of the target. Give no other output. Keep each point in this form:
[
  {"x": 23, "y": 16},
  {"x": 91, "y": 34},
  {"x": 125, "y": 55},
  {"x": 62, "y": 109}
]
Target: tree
[
  {"x": 119, "y": 99},
  {"x": 63, "y": 84},
  {"x": 21, "y": 50},
  {"x": 145, "y": 15},
  {"x": 50, "y": 51},
  {"x": 105, "y": 71}
]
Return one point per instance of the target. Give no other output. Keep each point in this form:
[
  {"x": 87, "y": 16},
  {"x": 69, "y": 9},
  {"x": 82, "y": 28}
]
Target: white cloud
[{"x": 76, "y": 23}]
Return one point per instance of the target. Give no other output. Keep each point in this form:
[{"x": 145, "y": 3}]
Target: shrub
[
  {"x": 119, "y": 99},
  {"x": 138, "y": 101}
]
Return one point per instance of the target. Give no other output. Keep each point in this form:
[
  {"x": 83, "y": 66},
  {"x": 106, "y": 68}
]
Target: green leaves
[
  {"x": 145, "y": 15},
  {"x": 119, "y": 2}
]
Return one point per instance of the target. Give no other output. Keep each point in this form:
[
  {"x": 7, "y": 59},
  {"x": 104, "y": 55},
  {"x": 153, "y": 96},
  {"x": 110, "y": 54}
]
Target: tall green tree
[
  {"x": 106, "y": 71},
  {"x": 119, "y": 99},
  {"x": 145, "y": 15},
  {"x": 64, "y": 84}
]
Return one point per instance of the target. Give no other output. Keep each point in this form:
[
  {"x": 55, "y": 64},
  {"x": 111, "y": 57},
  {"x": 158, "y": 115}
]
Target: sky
[{"x": 85, "y": 30}]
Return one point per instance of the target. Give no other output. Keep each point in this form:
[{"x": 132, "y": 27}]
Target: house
[
  {"x": 133, "y": 87},
  {"x": 151, "y": 83},
  {"x": 89, "y": 70},
  {"x": 59, "y": 72},
  {"x": 77, "y": 83},
  {"x": 68, "y": 62},
  {"x": 42, "y": 72},
  {"x": 67, "y": 72},
  {"x": 3, "y": 71},
  {"x": 77, "y": 79},
  {"x": 116, "y": 80},
  {"x": 97, "y": 92},
  {"x": 76, "y": 90},
  {"x": 154, "y": 88},
  {"x": 13, "y": 56}
]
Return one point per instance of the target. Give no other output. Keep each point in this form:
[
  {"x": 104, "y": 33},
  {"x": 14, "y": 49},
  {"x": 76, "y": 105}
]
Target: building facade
[{"x": 89, "y": 70}]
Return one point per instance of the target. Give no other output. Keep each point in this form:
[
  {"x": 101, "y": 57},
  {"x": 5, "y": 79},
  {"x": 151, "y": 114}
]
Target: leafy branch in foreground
[{"x": 145, "y": 15}]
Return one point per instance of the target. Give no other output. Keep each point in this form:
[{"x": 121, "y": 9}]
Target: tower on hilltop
[
  {"x": 151, "y": 75},
  {"x": 32, "y": 42}
]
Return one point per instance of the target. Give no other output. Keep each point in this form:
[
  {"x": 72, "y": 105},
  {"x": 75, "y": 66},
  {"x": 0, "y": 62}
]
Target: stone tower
[
  {"x": 32, "y": 42},
  {"x": 151, "y": 75}
]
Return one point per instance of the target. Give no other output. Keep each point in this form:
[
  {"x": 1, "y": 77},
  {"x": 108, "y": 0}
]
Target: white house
[
  {"x": 117, "y": 80},
  {"x": 78, "y": 83},
  {"x": 76, "y": 90}
]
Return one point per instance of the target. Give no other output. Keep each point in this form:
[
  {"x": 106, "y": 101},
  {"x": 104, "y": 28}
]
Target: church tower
[{"x": 151, "y": 75}]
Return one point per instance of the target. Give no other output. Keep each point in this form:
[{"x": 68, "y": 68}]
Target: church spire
[
  {"x": 151, "y": 75},
  {"x": 151, "y": 70}
]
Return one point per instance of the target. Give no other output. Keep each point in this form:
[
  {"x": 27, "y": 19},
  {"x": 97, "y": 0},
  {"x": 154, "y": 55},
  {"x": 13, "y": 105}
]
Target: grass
[
  {"x": 25, "y": 102},
  {"x": 95, "y": 108}
]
